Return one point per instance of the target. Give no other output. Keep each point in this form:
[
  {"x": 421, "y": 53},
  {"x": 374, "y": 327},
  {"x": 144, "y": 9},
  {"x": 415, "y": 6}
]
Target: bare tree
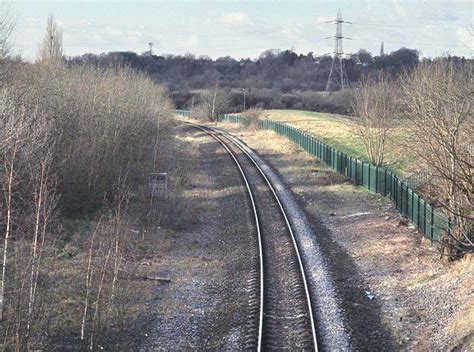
[
  {"x": 13, "y": 132},
  {"x": 99, "y": 129},
  {"x": 212, "y": 104},
  {"x": 6, "y": 28},
  {"x": 43, "y": 189},
  {"x": 51, "y": 48},
  {"x": 373, "y": 106},
  {"x": 438, "y": 101}
]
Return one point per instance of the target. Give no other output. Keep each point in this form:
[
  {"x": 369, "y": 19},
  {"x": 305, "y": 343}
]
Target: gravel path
[
  {"x": 331, "y": 331},
  {"x": 205, "y": 305}
]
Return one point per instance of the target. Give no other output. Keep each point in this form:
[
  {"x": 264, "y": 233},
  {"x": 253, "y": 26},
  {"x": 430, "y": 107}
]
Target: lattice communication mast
[{"x": 340, "y": 76}]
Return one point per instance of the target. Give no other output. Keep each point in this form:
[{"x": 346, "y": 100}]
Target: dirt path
[
  {"x": 205, "y": 305},
  {"x": 395, "y": 292}
]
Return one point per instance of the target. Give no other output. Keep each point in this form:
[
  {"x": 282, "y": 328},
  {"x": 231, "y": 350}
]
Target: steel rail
[
  {"x": 257, "y": 225},
  {"x": 241, "y": 147},
  {"x": 290, "y": 228}
]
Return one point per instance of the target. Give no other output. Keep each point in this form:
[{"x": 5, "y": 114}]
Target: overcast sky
[{"x": 246, "y": 28}]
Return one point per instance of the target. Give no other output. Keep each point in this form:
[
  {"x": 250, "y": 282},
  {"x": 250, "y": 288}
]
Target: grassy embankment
[{"x": 339, "y": 132}]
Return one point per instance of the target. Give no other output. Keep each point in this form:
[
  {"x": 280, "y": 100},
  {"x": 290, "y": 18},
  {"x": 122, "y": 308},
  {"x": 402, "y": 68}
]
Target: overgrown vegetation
[
  {"x": 76, "y": 145},
  {"x": 438, "y": 103}
]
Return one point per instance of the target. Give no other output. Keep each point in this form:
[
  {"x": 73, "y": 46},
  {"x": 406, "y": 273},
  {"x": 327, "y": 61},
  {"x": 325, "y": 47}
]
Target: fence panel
[
  {"x": 429, "y": 219},
  {"x": 416, "y": 210},
  {"x": 410, "y": 203},
  {"x": 441, "y": 225},
  {"x": 373, "y": 178}
]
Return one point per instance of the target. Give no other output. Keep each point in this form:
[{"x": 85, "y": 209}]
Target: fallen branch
[
  {"x": 152, "y": 278},
  {"x": 155, "y": 278}
]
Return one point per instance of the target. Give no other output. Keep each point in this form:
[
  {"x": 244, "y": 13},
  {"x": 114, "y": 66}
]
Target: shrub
[
  {"x": 212, "y": 103},
  {"x": 251, "y": 117},
  {"x": 438, "y": 102},
  {"x": 106, "y": 123},
  {"x": 70, "y": 140}
]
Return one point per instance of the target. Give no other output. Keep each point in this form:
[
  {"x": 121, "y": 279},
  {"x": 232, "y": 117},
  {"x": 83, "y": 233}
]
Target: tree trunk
[{"x": 7, "y": 233}]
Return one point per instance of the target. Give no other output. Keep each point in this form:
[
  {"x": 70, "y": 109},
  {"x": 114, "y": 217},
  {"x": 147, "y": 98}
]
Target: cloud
[
  {"x": 465, "y": 39},
  {"x": 292, "y": 32},
  {"x": 235, "y": 18},
  {"x": 189, "y": 42},
  {"x": 323, "y": 19},
  {"x": 399, "y": 8}
]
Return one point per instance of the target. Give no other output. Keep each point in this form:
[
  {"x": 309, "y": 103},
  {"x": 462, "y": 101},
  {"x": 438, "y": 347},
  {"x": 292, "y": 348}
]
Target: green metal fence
[
  {"x": 429, "y": 221},
  {"x": 183, "y": 112}
]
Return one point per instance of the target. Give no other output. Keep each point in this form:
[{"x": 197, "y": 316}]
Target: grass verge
[{"x": 338, "y": 132}]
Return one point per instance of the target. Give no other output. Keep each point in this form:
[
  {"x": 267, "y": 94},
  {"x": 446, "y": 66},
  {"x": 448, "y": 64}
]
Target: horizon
[{"x": 241, "y": 30}]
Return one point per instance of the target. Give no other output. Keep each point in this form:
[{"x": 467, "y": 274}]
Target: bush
[
  {"x": 106, "y": 124},
  {"x": 73, "y": 139},
  {"x": 437, "y": 100},
  {"x": 251, "y": 117},
  {"x": 211, "y": 104}
]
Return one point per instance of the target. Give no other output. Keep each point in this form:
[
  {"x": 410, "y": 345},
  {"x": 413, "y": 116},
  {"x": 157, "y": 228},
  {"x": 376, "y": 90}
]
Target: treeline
[{"x": 277, "y": 79}]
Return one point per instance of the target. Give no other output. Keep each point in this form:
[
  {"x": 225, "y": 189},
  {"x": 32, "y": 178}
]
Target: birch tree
[
  {"x": 373, "y": 106},
  {"x": 51, "y": 48},
  {"x": 6, "y": 28}
]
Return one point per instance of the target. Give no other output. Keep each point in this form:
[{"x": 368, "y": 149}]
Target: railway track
[{"x": 280, "y": 309}]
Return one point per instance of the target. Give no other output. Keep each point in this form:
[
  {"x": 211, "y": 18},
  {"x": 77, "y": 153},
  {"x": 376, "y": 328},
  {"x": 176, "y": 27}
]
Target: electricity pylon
[{"x": 338, "y": 53}]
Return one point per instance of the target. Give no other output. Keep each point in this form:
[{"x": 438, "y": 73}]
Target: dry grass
[{"x": 339, "y": 132}]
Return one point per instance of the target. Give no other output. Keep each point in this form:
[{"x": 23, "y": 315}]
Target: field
[{"x": 338, "y": 132}]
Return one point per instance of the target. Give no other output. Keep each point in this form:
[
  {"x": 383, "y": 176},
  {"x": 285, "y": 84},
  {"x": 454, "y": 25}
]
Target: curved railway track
[{"x": 280, "y": 309}]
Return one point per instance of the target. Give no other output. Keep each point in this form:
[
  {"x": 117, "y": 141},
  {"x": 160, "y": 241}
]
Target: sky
[{"x": 242, "y": 29}]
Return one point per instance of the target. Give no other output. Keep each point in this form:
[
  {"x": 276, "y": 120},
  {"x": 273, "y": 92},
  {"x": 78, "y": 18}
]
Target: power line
[
  {"x": 260, "y": 31},
  {"x": 305, "y": 25},
  {"x": 411, "y": 43},
  {"x": 407, "y": 26},
  {"x": 276, "y": 29},
  {"x": 428, "y": 44}
]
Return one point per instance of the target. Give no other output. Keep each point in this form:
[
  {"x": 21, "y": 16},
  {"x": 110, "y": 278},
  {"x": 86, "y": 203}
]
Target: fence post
[
  {"x": 376, "y": 178},
  {"x": 368, "y": 182},
  {"x": 418, "y": 212},
  {"x": 406, "y": 200},
  {"x": 432, "y": 223},
  {"x": 424, "y": 219},
  {"x": 350, "y": 167}
]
